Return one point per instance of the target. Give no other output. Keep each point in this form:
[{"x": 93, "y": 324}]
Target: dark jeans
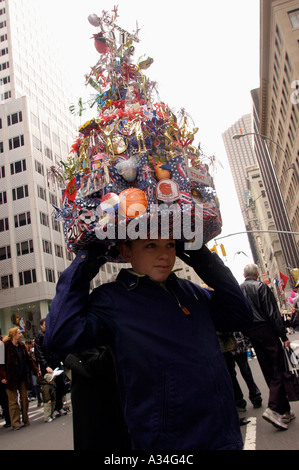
[
  {"x": 4, "y": 403},
  {"x": 60, "y": 391},
  {"x": 242, "y": 361},
  {"x": 270, "y": 353}
]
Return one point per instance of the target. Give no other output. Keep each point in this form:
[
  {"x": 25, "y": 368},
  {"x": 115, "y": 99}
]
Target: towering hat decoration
[{"x": 133, "y": 167}]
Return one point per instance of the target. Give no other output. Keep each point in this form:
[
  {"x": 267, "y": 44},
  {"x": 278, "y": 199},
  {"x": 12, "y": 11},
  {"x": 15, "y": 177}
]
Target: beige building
[
  {"x": 253, "y": 197},
  {"x": 270, "y": 258},
  {"x": 279, "y": 98},
  {"x": 240, "y": 154}
]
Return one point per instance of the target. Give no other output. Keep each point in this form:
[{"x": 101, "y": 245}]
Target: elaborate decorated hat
[{"x": 133, "y": 171}]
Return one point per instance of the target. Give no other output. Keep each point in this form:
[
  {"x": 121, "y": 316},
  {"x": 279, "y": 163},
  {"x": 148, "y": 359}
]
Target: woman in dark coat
[{"x": 14, "y": 374}]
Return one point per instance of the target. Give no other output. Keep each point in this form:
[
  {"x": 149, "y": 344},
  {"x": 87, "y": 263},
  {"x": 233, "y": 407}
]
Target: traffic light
[
  {"x": 223, "y": 250},
  {"x": 214, "y": 248}
]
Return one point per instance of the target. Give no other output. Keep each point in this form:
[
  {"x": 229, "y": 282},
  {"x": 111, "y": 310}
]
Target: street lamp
[
  {"x": 239, "y": 136},
  {"x": 279, "y": 212}
]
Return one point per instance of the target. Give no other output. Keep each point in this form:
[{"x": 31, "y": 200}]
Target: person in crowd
[
  {"x": 34, "y": 391},
  {"x": 48, "y": 362},
  {"x": 266, "y": 336},
  {"x": 238, "y": 355},
  {"x": 98, "y": 421},
  {"x": 3, "y": 394},
  {"x": 46, "y": 383},
  {"x": 14, "y": 374},
  {"x": 286, "y": 318},
  {"x": 175, "y": 389}
]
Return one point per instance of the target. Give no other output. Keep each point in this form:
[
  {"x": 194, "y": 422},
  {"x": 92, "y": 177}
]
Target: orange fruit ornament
[
  {"x": 161, "y": 173},
  {"x": 132, "y": 203}
]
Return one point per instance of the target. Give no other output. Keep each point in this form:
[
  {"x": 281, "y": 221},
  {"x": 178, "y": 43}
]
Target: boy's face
[{"x": 155, "y": 258}]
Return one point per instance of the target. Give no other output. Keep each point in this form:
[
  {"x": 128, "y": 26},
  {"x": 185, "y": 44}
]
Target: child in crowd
[
  {"x": 174, "y": 385},
  {"x": 46, "y": 383}
]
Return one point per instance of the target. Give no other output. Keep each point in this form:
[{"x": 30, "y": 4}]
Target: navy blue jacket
[{"x": 174, "y": 385}]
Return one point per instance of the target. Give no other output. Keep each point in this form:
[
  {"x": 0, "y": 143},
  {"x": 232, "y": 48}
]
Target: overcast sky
[{"x": 206, "y": 60}]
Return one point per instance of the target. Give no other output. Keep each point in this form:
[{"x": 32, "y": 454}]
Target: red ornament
[{"x": 100, "y": 43}]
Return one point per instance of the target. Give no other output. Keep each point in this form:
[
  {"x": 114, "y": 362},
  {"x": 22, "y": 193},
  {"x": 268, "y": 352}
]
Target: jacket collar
[
  {"x": 131, "y": 280},
  {"x": 128, "y": 278}
]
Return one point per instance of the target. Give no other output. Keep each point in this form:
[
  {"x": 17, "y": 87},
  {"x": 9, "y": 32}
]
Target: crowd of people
[
  {"x": 158, "y": 354},
  {"x": 25, "y": 370}
]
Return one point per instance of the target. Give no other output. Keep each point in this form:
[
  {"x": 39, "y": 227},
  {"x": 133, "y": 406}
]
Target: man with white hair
[{"x": 266, "y": 336}]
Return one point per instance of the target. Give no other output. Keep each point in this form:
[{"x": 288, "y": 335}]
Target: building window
[
  {"x": 24, "y": 248},
  {"x": 39, "y": 167},
  {"x": 2, "y": 171},
  {"x": 6, "y": 281},
  {"x": 278, "y": 34},
  {"x": 22, "y": 219},
  {"x": 14, "y": 118},
  {"x": 35, "y": 120},
  {"x": 6, "y": 95},
  {"x": 27, "y": 277},
  {"x": 20, "y": 192},
  {"x": 4, "y": 51},
  {"x": 3, "y": 198},
  {"x": 50, "y": 277},
  {"x": 16, "y": 142},
  {"x": 4, "y": 225},
  {"x": 1, "y": 147},
  {"x": 4, "y": 66},
  {"x": 55, "y": 225},
  {"x": 294, "y": 18},
  {"x": 44, "y": 219},
  {"x": 45, "y": 130},
  {"x": 48, "y": 152},
  {"x": 5, "y": 252},
  {"x": 59, "y": 251},
  {"x": 36, "y": 143},
  {"x": 47, "y": 247},
  {"x": 17, "y": 167},
  {"x": 5, "y": 80},
  {"x": 55, "y": 138},
  {"x": 53, "y": 199},
  {"x": 41, "y": 192}
]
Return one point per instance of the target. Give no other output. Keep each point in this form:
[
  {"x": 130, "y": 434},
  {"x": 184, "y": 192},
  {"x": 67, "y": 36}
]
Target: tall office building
[
  {"x": 36, "y": 130},
  {"x": 240, "y": 155},
  {"x": 278, "y": 113},
  {"x": 253, "y": 194}
]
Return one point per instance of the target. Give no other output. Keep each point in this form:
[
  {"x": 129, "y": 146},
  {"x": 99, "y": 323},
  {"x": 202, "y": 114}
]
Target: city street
[{"x": 257, "y": 434}]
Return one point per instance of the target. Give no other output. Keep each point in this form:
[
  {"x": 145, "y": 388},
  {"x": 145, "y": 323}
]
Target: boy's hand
[
  {"x": 94, "y": 255},
  {"x": 192, "y": 257}
]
